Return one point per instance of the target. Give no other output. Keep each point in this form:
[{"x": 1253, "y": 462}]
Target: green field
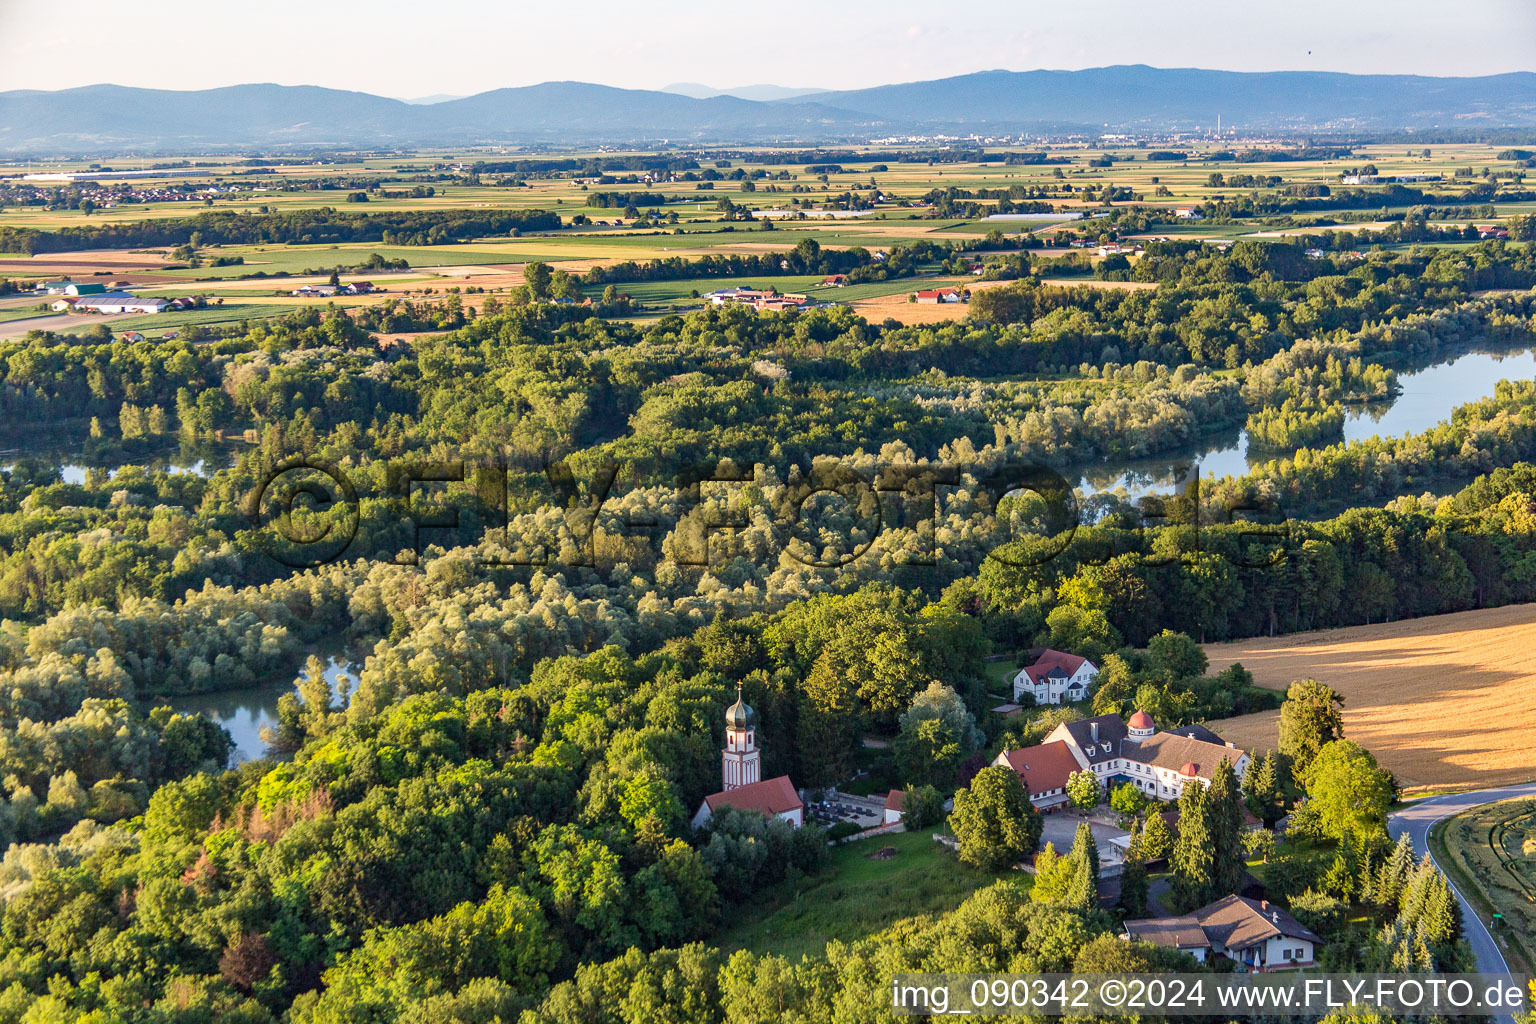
[
  {"x": 911, "y": 208},
  {"x": 24, "y": 313},
  {"x": 857, "y": 896}
]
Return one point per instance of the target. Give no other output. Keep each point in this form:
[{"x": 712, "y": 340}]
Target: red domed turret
[
  {"x": 1142, "y": 720},
  {"x": 1190, "y": 770}
]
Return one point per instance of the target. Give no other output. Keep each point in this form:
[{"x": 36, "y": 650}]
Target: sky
[{"x": 408, "y": 49}]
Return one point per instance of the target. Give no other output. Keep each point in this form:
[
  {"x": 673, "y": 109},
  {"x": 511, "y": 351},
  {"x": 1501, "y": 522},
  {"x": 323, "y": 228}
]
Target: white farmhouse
[{"x": 1055, "y": 677}]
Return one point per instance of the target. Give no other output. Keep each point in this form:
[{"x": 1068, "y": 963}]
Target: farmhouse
[
  {"x": 834, "y": 281},
  {"x": 933, "y": 296},
  {"x": 1254, "y": 933},
  {"x": 1160, "y": 764},
  {"x": 68, "y": 287},
  {"x": 1187, "y": 213},
  {"x": 741, "y": 767},
  {"x": 1044, "y": 770},
  {"x": 120, "y": 302},
  {"x": 1383, "y": 179},
  {"x": 1054, "y": 676}
]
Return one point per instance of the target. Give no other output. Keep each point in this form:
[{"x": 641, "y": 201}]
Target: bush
[
  {"x": 922, "y": 807},
  {"x": 843, "y": 830}
]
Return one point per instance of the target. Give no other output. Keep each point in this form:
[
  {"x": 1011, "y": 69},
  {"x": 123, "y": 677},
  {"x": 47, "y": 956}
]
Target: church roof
[
  {"x": 740, "y": 715},
  {"x": 770, "y": 796}
]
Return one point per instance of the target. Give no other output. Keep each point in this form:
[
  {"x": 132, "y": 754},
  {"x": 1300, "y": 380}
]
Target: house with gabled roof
[
  {"x": 1254, "y": 933},
  {"x": 1044, "y": 770},
  {"x": 1054, "y": 677}
]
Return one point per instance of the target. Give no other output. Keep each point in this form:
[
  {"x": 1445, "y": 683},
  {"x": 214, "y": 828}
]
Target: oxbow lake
[
  {"x": 1427, "y": 397},
  {"x": 246, "y": 712}
]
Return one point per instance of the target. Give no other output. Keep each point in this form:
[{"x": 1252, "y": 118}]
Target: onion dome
[
  {"x": 1190, "y": 770},
  {"x": 740, "y": 715},
  {"x": 1142, "y": 720}
]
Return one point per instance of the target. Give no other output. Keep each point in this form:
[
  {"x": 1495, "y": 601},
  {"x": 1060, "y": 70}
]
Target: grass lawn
[
  {"x": 229, "y": 313},
  {"x": 654, "y": 292},
  {"x": 24, "y": 313},
  {"x": 1482, "y": 850},
  {"x": 856, "y": 896},
  {"x": 1000, "y": 676}
]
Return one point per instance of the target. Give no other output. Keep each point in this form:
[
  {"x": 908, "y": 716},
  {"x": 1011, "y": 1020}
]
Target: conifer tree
[
  {"x": 1228, "y": 858},
  {"x": 1133, "y": 879},
  {"x": 1194, "y": 882},
  {"x": 1156, "y": 838}
]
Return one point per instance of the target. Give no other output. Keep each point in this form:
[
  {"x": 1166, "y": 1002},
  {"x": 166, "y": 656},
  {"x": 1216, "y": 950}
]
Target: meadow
[
  {"x": 1492, "y": 849},
  {"x": 858, "y": 895}
]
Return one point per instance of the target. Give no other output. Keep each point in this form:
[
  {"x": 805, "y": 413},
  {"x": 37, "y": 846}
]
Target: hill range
[{"x": 110, "y": 118}]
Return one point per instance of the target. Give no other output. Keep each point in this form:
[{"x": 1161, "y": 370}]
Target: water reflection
[
  {"x": 246, "y": 712},
  {"x": 1428, "y": 397}
]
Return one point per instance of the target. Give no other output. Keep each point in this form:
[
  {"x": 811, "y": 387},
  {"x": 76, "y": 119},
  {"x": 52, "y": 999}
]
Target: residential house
[
  {"x": 893, "y": 802},
  {"x": 1044, "y": 770},
  {"x": 1254, "y": 933},
  {"x": 132, "y": 336},
  {"x": 934, "y": 296},
  {"x": 1052, "y": 677},
  {"x": 1188, "y": 213}
]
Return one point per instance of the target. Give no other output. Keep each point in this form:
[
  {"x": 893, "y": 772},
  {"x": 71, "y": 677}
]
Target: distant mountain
[
  {"x": 765, "y": 93},
  {"x": 577, "y": 110},
  {"x": 115, "y": 119},
  {"x": 437, "y": 97},
  {"x": 1140, "y": 96}
]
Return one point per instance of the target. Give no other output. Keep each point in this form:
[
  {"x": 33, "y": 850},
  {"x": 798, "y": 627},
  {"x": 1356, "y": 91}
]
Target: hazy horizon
[{"x": 465, "y": 47}]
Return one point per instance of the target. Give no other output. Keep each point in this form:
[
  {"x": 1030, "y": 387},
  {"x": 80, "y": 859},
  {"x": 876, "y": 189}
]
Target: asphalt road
[{"x": 1416, "y": 820}]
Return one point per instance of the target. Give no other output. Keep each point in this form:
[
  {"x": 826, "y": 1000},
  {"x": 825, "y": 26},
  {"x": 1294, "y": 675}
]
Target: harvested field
[
  {"x": 897, "y": 307},
  {"x": 1438, "y": 700}
]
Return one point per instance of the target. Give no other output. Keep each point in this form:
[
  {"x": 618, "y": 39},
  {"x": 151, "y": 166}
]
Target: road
[{"x": 1416, "y": 820}]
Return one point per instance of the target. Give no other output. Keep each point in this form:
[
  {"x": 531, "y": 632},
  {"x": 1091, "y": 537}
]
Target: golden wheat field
[{"x": 1444, "y": 701}]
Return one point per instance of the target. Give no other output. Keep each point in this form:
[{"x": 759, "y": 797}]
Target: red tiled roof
[
  {"x": 770, "y": 796},
  {"x": 1049, "y": 659},
  {"x": 1043, "y": 767},
  {"x": 893, "y": 800}
]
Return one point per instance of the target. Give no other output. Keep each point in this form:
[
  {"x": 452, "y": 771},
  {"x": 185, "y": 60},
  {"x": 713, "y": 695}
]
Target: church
[{"x": 741, "y": 774}]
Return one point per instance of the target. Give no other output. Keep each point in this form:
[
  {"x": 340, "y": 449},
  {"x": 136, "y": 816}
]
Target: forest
[
  {"x": 571, "y": 537},
  {"x": 325, "y": 226}
]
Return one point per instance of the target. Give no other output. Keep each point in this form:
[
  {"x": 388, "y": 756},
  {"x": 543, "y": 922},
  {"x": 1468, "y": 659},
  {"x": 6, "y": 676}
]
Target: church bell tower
[{"x": 740, "y": 761}]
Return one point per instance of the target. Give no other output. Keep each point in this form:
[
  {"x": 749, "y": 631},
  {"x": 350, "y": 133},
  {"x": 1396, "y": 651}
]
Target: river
[{"x": 1427, "y": 397}]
